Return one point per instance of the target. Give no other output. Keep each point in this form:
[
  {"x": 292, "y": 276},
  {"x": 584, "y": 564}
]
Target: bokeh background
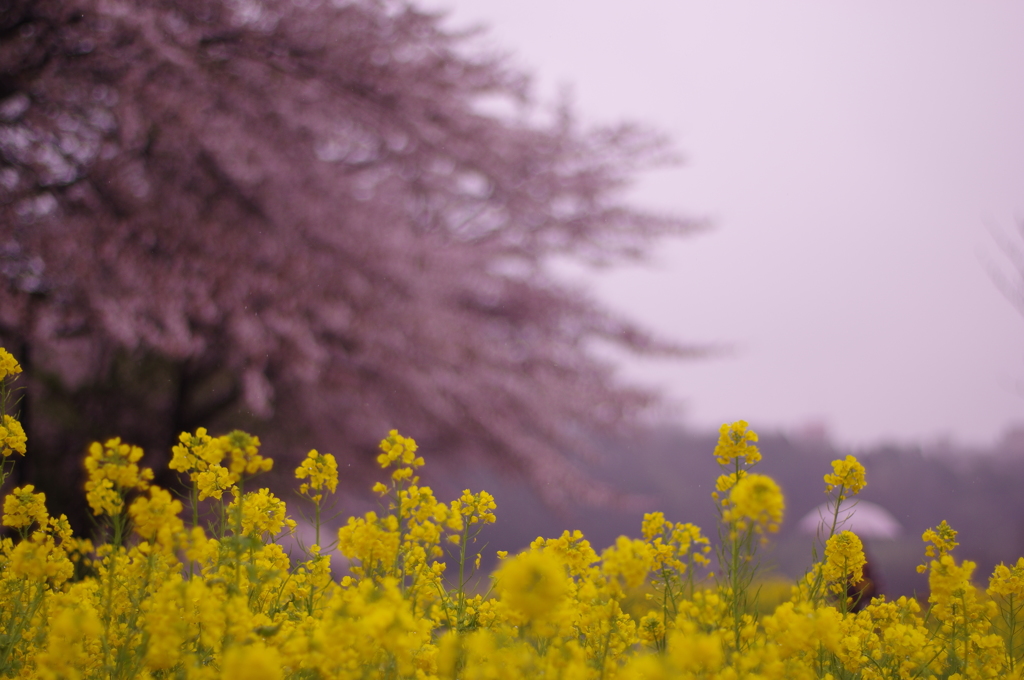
[
  {"x": 859, "y": 164},
  {"x": 861, "y": 167}
]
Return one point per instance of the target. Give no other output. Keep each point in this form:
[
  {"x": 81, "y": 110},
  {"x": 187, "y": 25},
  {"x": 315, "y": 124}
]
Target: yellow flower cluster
[
  {"x": 246, "y": 610},
  {"x": 263, "y": 515},
  {"x": 156, "y": 518},
  {"x": 194, "y": 453},
  {"x": 202, "y": 457},
  {"x": 8, "y": 364},
  {"x": 572, "y": 548},
  {"x": 177, "y": 600},
  {"x": 322, "y": 472},
  {"x": 847, "y": 476},
  {"x": 737, "y": 441},
  {"x": 942, "y": 539},
  {"x": 755, "y": 501},
  {"x": 533, "y": 583},
  {"x": 844, "y": 561},
  {"x": 475, "y": 508},
  {"x": 242, "y": 451},
  {"x": 22, "y": 507},
  {"x": 1008, "y": 581},
  {"x": 12, "y": 434},
  {"x": 676, "y": 544},
  {"x": 12, "y": 437},
  {"x": 113, "y": 472},
  {"x": 401, "y": 452}
]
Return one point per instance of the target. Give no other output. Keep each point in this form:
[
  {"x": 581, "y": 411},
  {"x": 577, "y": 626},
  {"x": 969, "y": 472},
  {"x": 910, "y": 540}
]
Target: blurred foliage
[{"x": 298, "y": 218}]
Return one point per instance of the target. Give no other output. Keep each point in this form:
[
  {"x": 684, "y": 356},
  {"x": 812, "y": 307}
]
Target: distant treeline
[{"x": 673, "y": 470}]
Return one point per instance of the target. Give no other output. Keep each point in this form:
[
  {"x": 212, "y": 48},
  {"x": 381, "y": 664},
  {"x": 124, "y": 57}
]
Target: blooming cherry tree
[{"x": 307, "y": 214}]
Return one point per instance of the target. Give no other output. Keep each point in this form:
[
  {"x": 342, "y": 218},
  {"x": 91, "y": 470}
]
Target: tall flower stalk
[
  {"x": 748, "y": 505},
  {"x": 12, "y": 434}
]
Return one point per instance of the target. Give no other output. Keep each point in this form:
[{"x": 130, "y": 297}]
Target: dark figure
[{"x": 862, "y": 593}]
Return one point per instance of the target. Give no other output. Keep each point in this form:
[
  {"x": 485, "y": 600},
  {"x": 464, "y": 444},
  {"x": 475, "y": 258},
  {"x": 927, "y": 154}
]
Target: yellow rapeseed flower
[
  {"x": 942, "y": 539},
  {"x": 242, "y": 451},
  {"x": 113, "y": 471},
  {"x": 164, "y": 615},
  {"x": 22, "y": 507},
  {"x": 213, "y": 482},
  {"x": 652, "y": 524},
  {"x": 39, "y": 559},
  {"x": 571, "y": 548},
  {"x": 400, "y": 451},
  {"x": 175, "y": 603},
  {"x": 252, "y": 662},
  {"x": 12, "y": 437},
  {"x": 474, "y": 508},
  {"x": 395, "y": 448},
  {"x": 951, "y": 593},
  {"x": 630, "y": 559},
  {"x": 736, "y": 441},
  {"x": 322, "y": 471},
  {"x": 847, "y": 475},
  {"x": 73, "y": 642},
  {"x": 726, "y": 482},
  {"x": 194, "y": 454},
  {"x": 103, "y": 498},
  {"x": 1007, "y": 581},
  {"x": 696, "y": 654},
  {"x": 756, "y": 500},
  {"x": 533, "y": 583},
  {"x": 157, "y": 517},
  {"x": 844, "y": 561},
  {"x": 373, "y": 541},
  {"x": 8, "y": 364},
  {"x": 672, "y": 544},
  {"x": 263, "y": 514}
]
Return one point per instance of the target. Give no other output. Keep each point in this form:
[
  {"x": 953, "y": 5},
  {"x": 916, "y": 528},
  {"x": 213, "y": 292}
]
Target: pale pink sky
[{"x": 853, "y": 158}]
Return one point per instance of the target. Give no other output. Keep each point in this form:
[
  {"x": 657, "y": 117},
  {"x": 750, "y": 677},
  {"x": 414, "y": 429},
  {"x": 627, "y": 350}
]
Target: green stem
[
  {"x": 734, "y": 574},
  {"x": 316, "y": 522},
  {"x": 835, "y": 512},
  {"x": 461, "y": 611},
  {"x": 668, "y": 597},
  {"x": 21, "y": 619},
  {"x": 108, "y": 605},
  {"x": 1013, "y": 633},
  {"x": 194, "y": 499}
]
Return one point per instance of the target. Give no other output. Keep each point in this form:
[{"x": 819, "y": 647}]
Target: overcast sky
[{"x": 854, "y": 159}]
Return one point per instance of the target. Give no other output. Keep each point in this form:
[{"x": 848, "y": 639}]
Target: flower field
[{"x": 199, "y": 585}]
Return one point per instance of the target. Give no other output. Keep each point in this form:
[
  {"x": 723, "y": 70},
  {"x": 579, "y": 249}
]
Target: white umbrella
[{"x": 866, "y": 519}]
